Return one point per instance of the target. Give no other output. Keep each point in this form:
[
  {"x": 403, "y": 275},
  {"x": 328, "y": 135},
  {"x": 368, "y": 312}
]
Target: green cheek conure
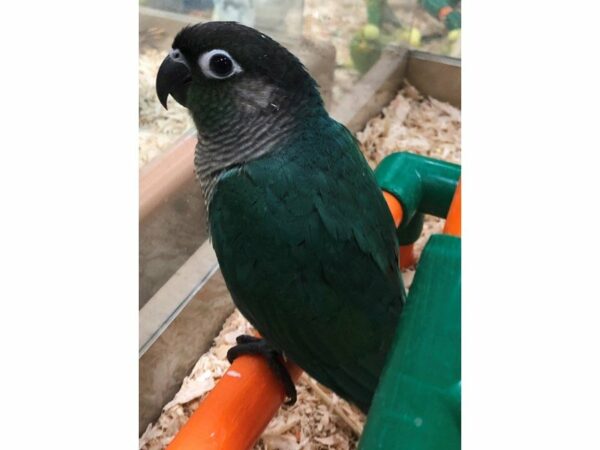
[
  {"x": 303, "y": 236},
  {"x": 365, "y": 48}
]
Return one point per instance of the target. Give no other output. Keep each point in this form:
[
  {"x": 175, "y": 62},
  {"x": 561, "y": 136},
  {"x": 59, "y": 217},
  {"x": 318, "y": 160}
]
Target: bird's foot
[{"x": 251, "y": 345}]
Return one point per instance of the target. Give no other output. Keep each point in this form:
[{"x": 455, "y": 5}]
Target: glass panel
[
  {"x": 359, "y": 30},
  {"x": 339, "y": 41}
]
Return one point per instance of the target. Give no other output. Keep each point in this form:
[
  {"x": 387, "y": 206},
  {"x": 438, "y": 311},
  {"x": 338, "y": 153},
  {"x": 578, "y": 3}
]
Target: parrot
[
  {"x": 304, "y": 238},
  {"x": 365, "y": 48},
  {"x": 380, "y": 12}
]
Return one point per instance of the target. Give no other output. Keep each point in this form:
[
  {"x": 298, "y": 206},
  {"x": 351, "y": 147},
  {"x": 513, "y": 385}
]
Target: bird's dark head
[{"x": 217, "y": 69}]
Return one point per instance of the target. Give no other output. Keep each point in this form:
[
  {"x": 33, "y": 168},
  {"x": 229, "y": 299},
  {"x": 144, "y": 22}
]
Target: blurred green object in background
[
  {"x": 444, "y": 11},
  {"x": 365, "y": 48}
]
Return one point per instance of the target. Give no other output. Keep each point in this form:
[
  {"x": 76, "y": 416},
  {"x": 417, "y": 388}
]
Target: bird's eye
[{"x": 218, "y": 64}]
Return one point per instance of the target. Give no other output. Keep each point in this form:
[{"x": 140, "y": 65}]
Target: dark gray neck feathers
[{"x": 254, "y": 124}]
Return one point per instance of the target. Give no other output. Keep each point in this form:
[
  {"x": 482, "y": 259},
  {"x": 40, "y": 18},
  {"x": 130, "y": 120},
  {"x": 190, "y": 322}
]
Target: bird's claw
[{"x": 251, "y": 345}]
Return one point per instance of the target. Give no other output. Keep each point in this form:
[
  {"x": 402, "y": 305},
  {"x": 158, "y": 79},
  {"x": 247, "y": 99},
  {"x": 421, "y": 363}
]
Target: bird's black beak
[{"x": 174, "y": 77}]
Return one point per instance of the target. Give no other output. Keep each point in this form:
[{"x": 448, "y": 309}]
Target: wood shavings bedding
[
  {"x": 320, "y": 420},
  {"x": 418, "y": 124}
]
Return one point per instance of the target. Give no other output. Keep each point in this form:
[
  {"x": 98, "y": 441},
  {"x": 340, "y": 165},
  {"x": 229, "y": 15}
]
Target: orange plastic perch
[
  {"x": 395, "y": 208},
  {"x": 407, "y": 254},
  {"x": 235, "y": 413},
  {"x": 453, "y": 220}
]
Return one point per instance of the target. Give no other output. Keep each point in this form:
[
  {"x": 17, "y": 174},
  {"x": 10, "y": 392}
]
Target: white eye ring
[{"x": 204, "y": 63}]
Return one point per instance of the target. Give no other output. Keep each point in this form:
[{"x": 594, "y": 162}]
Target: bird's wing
[{"x": 309, "y": 252}]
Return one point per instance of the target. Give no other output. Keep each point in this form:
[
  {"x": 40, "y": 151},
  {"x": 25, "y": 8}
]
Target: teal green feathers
[{"x": 308, "y": 251}]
